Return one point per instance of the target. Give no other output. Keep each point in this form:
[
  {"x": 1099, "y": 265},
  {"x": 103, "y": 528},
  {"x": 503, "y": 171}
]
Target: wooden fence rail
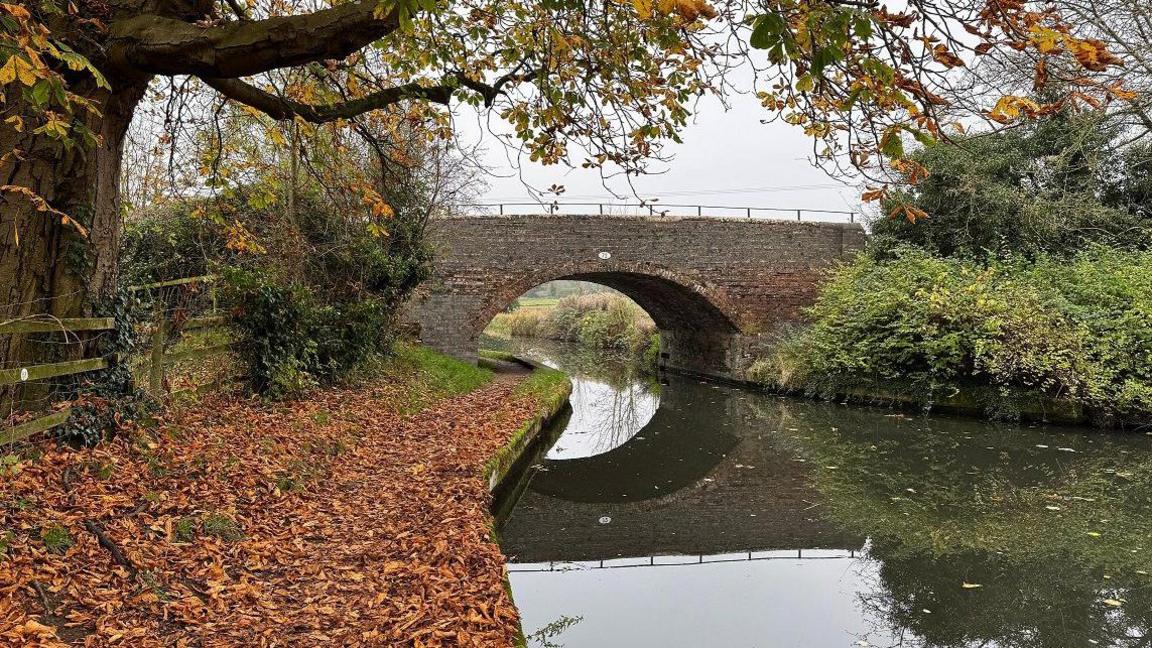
[
  {"x": 42, "y": 424},
  {"x": 51, "y": 370},
  {"x": 158, "y": 358},
  {"x": 54, "y": 325}
]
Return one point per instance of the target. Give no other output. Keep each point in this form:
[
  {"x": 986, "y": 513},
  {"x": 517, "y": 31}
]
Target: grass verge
[{"x": 549, "y": 389}]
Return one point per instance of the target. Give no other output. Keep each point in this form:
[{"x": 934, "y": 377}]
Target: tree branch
[
  {"x": 234, "y": 5},
  {"x": 491, "y": 92},
  {"x": 159, "y": 45},
  {"x": 114, "y": 549},
  {"x": 284, "y": 109}
]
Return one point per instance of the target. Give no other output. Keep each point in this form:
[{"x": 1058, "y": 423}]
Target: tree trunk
[{"x": 48, "y": 267}]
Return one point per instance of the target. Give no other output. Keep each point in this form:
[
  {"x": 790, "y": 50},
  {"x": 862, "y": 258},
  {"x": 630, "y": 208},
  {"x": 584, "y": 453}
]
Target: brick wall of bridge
[{"x": 717, "y": 288}]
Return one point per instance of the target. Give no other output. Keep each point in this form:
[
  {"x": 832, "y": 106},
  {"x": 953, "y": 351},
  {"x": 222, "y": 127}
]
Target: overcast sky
[{"x": 727, "y": 158}]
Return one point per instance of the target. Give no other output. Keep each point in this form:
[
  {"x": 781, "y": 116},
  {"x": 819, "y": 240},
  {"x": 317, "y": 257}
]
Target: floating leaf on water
[
  {"x": 967, "y": 585},
  {"x": 1113, "y": 602},
  {"x": 1052, "y": 508}
]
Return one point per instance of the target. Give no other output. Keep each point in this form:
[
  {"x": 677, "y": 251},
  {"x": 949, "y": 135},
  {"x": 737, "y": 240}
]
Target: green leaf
[
  {"x": 824, "y": 57},
  {"x": 767, "y": 31},
  {"x": 41, "y": 92},
  {"x": 891, "y": 145},
  {"x": 921, "y": 136}
]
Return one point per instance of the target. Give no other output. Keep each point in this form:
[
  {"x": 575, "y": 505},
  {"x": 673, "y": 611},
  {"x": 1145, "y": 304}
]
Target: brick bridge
[{"x": 717, "y": 288}]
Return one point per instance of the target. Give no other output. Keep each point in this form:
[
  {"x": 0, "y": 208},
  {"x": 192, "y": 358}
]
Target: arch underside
[
  {"x": 698, "y": 324},
  {"x": 673, "y": 307},
  {"x": 695, "y": 333}
]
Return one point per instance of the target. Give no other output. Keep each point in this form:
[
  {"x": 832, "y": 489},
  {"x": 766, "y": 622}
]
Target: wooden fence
[{"x": 157, "y": 360}]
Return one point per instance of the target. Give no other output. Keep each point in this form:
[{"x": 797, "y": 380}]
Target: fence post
[
  {"x": 797, "y": 214},
  {"x": 851, "y": 217},
  {"x": 501, "y": 209},
  {"x": 156, "y": 368},
  {"x": 749, "y": 212},
  {"x": 699, "y": 210}
]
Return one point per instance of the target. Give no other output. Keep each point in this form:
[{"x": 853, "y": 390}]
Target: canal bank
[
  {"x": 682, "y": 513},
  {"x": 550, "y": 389},
  {"x": 353, "y": 516}
]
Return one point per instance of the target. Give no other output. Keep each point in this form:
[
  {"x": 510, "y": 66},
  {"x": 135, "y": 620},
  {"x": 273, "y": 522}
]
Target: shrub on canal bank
[
  {"x": 604, "y": 321},
  {"x": 1006, "y": 333},
  {"x": 312, "y": 298},
  {"x": 1026, "y": 289}
]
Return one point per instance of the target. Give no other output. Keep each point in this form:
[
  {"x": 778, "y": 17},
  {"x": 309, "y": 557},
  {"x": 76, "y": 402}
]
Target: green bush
[
  {"x": 312, "y": 298},
  {"x": 1077, "y": 329},
  {"x": 292, "y": 341},
  {"x": 605, "y": 321},
  {"x": 170, "y": 242},
  {"x": 1047, "y": 187},
  {"x": 277, "y": 325}
]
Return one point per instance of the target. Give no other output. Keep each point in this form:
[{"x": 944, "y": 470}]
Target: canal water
[{"x": 673, "y": 513}]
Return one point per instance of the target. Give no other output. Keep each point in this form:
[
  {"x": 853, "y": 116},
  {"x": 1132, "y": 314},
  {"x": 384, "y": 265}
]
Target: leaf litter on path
[{"x": 333, "y": 520}]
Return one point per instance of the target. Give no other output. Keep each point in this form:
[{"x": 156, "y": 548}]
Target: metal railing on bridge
[{"x": 657, "y": 209}]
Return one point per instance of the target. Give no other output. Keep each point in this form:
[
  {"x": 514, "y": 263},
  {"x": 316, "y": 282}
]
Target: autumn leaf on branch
[{"x": 864, "y": 79}]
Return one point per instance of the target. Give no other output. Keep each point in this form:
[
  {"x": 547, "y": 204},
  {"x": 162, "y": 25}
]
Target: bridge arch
[
  {"x": 673, "y": 301},
  {"x": 717, "y": 288}
]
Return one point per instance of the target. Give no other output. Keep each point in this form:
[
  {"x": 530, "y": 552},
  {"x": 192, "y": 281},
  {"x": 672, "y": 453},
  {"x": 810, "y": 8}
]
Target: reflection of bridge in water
[
  {"x": 682, "y": 486},
  {"x": 682, "y": 561}
]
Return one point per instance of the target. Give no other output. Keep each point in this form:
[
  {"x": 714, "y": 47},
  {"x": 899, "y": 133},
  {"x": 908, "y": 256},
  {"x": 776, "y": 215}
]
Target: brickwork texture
[{"x": 717, "y": 288}]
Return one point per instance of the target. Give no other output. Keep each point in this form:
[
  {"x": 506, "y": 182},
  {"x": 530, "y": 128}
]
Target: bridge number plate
[
  {"x": 605, "y": 256},
  {"x": 24, "y": 375}
]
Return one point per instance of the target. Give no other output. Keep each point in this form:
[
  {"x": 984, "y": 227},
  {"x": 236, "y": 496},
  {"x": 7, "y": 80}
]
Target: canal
[{"x": 671, "y": 513}]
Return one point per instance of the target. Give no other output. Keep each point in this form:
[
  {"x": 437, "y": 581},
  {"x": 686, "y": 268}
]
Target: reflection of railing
[
  {"x": 660, "y": 209},
  {"x": 680, "y": 561}
]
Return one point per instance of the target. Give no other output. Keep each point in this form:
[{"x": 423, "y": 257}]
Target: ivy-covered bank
[
  {"x": 1027, "y": 291},
  {"x": 1066, "y": 338}
]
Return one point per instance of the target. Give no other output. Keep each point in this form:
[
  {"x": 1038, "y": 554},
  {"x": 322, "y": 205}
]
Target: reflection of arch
[
  {"x": 652, "y": 463},
  {"x": 675, "y": 302},
  {"x": 603, "y": 417}
]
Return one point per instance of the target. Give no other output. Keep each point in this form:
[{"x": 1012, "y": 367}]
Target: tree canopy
[
  {"x": 613, "y": 80},
  {"x": 1044, "y": 187}
]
